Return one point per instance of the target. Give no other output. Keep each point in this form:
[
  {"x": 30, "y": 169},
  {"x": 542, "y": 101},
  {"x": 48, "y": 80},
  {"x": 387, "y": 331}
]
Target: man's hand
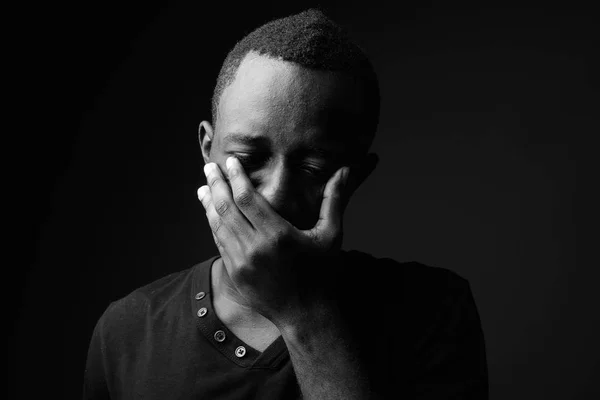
[{"x": 274, "y": 265}]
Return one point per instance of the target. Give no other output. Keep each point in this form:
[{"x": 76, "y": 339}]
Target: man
[{"x": 282, "y": 312}]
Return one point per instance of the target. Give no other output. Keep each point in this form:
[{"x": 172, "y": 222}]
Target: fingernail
[
  {"x": 207, "y": 168},
  {"x": 202, "y": 192},
  {"x": 230, "y": 162},
  {"x": 345, "y": 173}
]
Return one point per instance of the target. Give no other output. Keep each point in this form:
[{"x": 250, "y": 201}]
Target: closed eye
[
  {"x": 251, "y": 161},
  {"x": 254, "y": 161}
]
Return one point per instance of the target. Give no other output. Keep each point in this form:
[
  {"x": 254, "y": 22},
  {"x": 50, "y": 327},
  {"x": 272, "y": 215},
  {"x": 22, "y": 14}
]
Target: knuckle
[
  {"x": 221, "y": 206},
  {"x": 256, "y": 254},
  {"x": 261, "y": 215},
  {"x": 216, "y": 224},
  {"x": 244, "y": 198},
  {"x": 211, "y": 182},
  {"x": 279, "y": 237}
]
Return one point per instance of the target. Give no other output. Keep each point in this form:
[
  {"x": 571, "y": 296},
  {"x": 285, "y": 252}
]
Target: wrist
[{"x": 317, "y": 323}]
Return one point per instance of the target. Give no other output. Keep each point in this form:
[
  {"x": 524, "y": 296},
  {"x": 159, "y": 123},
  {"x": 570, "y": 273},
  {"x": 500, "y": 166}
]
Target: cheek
[
  {"x": 307, "y": 209},
  {"x": 313, "y": 198}
]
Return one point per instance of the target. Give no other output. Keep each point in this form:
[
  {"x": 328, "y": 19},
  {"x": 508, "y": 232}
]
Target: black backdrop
[{"x": 483, "y": 108}]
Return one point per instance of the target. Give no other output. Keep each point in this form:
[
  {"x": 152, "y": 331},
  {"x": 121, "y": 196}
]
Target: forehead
[{"x": 289, "y": 103}]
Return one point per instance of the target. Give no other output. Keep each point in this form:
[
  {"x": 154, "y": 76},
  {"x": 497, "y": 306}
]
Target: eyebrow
[
  {"x": 247, "y": 139},
  {"x": 262, "y": 141}
]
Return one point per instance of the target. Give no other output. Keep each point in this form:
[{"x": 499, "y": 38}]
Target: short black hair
[{"x": 313, "y": 41}]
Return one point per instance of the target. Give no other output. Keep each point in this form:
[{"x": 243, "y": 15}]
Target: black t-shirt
[{"x": 417, "y": 327}]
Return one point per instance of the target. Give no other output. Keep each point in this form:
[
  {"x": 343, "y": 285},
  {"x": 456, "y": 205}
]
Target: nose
[{"x": 277, "y": 187}]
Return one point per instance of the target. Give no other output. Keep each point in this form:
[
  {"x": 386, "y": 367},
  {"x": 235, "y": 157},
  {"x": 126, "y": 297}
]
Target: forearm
[{"x": 326, "y": 359}]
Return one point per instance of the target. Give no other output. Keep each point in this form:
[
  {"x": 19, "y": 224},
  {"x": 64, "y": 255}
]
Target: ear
[{"x": 205, "y": 137}]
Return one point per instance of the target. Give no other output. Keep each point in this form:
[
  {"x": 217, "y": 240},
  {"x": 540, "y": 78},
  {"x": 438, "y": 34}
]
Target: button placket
[
  {"x": 209, "y": 325},
  {"x": 202, "y": 311}
]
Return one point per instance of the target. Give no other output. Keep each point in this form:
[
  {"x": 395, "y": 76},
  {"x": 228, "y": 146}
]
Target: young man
[{"x": 282, "y": 312}]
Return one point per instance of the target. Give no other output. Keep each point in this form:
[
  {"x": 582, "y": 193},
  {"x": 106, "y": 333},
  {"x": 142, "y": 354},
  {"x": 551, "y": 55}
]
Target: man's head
[{"x": 295, "y": 100}]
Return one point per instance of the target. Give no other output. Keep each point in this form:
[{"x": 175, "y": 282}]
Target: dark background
[{"x": 485, "y": 110}]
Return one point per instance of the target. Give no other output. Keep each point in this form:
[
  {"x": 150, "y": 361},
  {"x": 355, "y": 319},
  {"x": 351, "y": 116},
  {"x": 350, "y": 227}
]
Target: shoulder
[
  {"x": 153, "y": 294},
  {"x": 427, "y": 301},
  {"x": 126, "y": 318},
  {"x": 416, "y": 290},
  {"x": 412, "y": 275}
]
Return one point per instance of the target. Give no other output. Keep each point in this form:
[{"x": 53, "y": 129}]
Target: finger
[
  {"x": 204, "y": 197},
  {"x": 331, "y": 213},
  {"x": 224, "y": 205},
  {"x": 226, "y": 242},
  {"x": 252, "y": 204},
  {"x": 221, "y": 233}
]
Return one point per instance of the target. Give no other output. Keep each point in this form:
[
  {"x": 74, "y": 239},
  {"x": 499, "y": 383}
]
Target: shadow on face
[{"x": 291, "y": 128}]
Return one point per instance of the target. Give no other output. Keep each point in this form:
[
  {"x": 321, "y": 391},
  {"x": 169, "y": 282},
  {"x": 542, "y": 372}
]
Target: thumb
[{"x": 330, "y": 220}]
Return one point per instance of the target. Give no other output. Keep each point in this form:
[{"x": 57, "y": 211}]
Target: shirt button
[
  {"x": 219, "y": 336},
  {"x": 200, "y": 295},
  {"x": 202, "y": 312},
  {"x": 240, "y": 351}
]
